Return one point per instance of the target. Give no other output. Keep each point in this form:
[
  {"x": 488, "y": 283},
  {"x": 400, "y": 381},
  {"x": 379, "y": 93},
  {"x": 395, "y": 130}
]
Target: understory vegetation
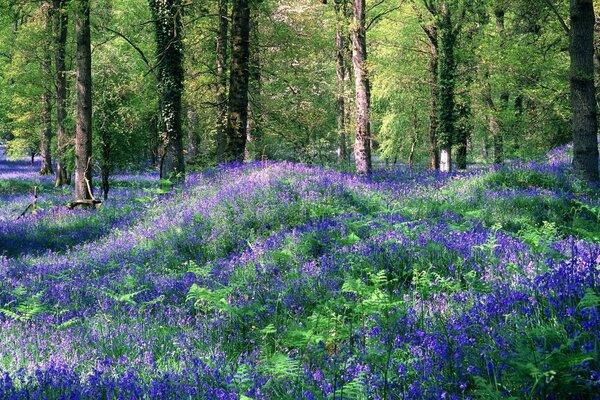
[{"x": 283, "y": 281}]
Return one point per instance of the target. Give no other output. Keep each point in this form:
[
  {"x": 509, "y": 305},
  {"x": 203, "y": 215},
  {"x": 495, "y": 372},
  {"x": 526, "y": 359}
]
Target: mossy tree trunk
[
  {"x": 170, "y": 74},
  {"x": 222, "y": 34},
  {"x": 446, "y": 130},
  {"x": 237, "y": 113}
]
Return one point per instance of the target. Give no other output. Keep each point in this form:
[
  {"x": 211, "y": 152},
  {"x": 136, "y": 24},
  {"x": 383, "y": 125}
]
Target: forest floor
[{"x": 283, "y": 281}]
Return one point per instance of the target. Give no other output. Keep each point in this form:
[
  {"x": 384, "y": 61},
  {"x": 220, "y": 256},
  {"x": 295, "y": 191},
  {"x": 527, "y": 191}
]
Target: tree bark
[
  {"x": 237, "y": 113},
  {"x": 83, "y": 131},
  {"x": 495, "y": 127},
  {"x": 192, "y": 121},
  {"x": 462, "y": 134},
  {"x": 59, "y": 26},
  {"x": 222, "y": 79},
  {"x": 46, "y": 133},
  {"x": 170, "y": 74},
  {"x": 46, "y": 166},
  {"x": 362, "y": 144},
  {"x": 446, "y": 103},
  {"x": 254, "y": 124},
  {"x": 434, "y": 152},
  {"x": 341, "y": 65},
  {"x": 583, "y": 92}
]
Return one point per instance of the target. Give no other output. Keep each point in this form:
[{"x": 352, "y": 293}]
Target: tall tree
[
  {"x": 254, "y": 125},
  {"x": 362, "y": 143},
  {"x": 446, "y": 129},
  {"x": 583, "y": 94},
  {"x": 59, "y": 27},
  {"x": 237, "y": 113},
  {"x": 46, "y": 64},
  {"x": 169, "y": 54},
  {"x": 432, "y": 67},
  {"x": 341, "y": 64},
  {"x": 223, "y": 27},
  {"x": 83, "y": 131}
]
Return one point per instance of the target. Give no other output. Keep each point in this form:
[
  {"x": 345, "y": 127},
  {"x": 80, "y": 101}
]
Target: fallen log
[
  {"x": 32, "y": 207},
  {"x": 84, "y": 203}
]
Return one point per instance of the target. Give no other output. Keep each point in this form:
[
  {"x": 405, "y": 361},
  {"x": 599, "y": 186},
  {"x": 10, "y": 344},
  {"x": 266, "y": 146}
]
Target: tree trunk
[
  {"x": 83, "y": 132},
  {"x": 254, "y": 125},
  {"x": 170, "y": 73},
  {"x": 362, "y": 144},
  {"x": 446, "y": 75},
  {"x": 222, "y": 80},
  {"x": 434, "y": 152},
  {"x": 583, "y": 92},
  {"x": 463, "y": 133},
  {"x": 46, "y": 134},
  {"x": 237, "y": 114},
  {"x": 192, "y": 121},
  {"x": 46, "y": 166},
  {"x": 495, "y": 127},
  {"x": 59, "y": 26},
  {"x": 340, "y": 58}
]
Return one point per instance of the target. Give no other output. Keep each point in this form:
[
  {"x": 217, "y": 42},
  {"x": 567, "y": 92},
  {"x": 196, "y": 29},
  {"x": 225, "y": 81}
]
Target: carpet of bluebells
[{"x": 283, "y": 281}]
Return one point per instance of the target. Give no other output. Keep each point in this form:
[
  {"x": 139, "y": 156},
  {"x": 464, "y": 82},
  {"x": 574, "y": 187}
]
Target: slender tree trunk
[
  {"x": 413, "y": 144},
  {"x": 222, "y": 79},
  {"x": 446, "y": 103},
  {"x": 362, "y": 144},
  {"x": 46, "y": 166},
  {"x": 59, "y": 25},
  {"x": 495, "y": 127},
  {"x": 463, "y": 134},
  {"x": 583, "y": 92},
  {"x": 348, "y": 84},
  {"x": 340, "y": 58},
  {"x": 83, "y": 132},
  {"x": 192, "y": 121},
  {"x": 46, "y": 133},
  {"x": 254, "y": 125},
  {"x": 237, "y": 113},
  {"x": 169, "y": 54},
  {"x": 434, "y": 152},
  {"x": 105, "y": 165}
]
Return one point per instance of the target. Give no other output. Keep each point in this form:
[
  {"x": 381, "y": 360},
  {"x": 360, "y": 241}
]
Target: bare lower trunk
[
  {"x": 497, "y": 139},
  {"x": 445, "y": 159},
  {"x": 192, "y": 119},
  {"x": 362, "y": 144},
  {"x": 83, "y": 132},
  {"x": 238, "y": 82},
  {"x": 583, "y": 94},
  {"x": 222, "y": 80},
  {"x": 46, "y": 166},
  {"x": 105, "y": 173},
  {"x": 59, "y": 26}
]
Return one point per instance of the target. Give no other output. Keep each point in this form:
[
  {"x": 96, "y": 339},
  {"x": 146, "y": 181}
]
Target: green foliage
[{"x": 25, "y": 307}]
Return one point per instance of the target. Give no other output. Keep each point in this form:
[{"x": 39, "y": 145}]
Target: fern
[
  {"x": 123, "y": 298},
  {"x": 589, "y": 300},
  {"x": 207, "y": 300}
]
